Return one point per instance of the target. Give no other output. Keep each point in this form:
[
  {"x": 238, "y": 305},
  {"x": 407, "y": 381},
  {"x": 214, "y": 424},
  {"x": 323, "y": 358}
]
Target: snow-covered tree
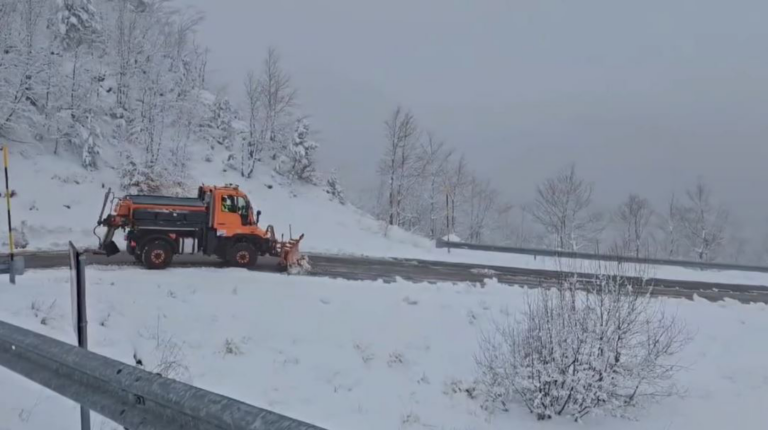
[
  {"x": 278, "y": 98},
  {"x": 90, "y": 135},
  {"x": 93, "y": 78},
  {"x": 252, "y": 142},
  {"x": 671, "y": 229},
  {"x": 218, "y": 127},
  {"x": 562, "y": 206},
  {"x": 397, "y": 166},
  {"x": 21, "y": 31},
  {"x": 334, "y": 188},
  {"x": 633, "y": 218},
  {"x": 78, "y": 23},
  {"x": 704, "y": 222},
  {"x": 299, "y": 161},
  {"x": 434, "y": 158},
  {"x": 270, "y": 100}
]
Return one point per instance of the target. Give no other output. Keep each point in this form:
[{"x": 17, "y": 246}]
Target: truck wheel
[
  {"x": 242, "y": 255},
  {"x": 157, "y": 255}
]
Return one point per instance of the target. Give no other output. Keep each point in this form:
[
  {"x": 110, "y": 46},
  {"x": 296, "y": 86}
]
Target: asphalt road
[{"x": 388, "y": 270}]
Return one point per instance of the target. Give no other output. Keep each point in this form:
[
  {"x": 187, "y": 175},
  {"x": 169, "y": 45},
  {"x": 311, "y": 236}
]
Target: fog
[{"x": 643, "y": 96}]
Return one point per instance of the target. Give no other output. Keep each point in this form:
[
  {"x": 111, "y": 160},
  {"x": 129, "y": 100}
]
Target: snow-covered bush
[
  {"x": 582, "y": 349},
  {"x": 167, "y": 357},
  {"x": 231, "y": 347},
  {"x": 136, "y": 176},
  {"x": 20, "y": 240}
]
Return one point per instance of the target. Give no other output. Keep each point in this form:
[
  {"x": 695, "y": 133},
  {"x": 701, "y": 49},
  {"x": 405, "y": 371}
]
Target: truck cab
[{"x": 231, "y": 211}]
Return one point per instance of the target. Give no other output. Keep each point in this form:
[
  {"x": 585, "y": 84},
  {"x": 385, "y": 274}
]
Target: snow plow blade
[
  {"x": 291, "y": 259},
  {"x": 110, "y": 248}
]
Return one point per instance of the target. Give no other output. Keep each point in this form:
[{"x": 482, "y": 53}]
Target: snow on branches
[
  {"x": 78, "y": 22},
  {"x": 334, "y": 189},
  {"x": 298, "y": 161},
  {"x": 578, "y": 349}
]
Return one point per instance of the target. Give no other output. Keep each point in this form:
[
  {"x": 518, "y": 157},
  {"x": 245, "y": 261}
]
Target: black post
[
  {"x": 79, "y": 315},
  {"x": 448, "y": 220},
  {"x": 12, "y": 274}
]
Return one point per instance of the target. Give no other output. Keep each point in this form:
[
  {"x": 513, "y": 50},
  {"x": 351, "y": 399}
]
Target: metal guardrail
[
  {"x": 127, "y": 395},
  {"x": 536, "y": 252}
]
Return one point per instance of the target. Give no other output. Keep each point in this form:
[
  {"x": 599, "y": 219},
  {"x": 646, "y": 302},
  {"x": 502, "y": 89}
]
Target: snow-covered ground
[
  {"x": 58, "y": 201},
  {"x": 352, "y": 355}
]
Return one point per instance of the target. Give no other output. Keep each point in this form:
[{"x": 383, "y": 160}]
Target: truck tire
[
  {"x": 242, "y": 255},
  {"x": 157, "y": 255}
]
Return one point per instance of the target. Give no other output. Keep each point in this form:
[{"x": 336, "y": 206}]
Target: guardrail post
[
  {"x": 79, "y": 315},
  {"x": 12, "y": 266}
]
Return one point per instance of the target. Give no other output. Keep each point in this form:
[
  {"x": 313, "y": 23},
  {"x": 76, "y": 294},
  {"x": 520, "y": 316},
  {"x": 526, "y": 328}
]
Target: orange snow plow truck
[{"x": 219, "y": 222}]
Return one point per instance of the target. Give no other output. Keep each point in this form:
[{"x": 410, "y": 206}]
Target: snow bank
[{"x": 352, "y": 355}]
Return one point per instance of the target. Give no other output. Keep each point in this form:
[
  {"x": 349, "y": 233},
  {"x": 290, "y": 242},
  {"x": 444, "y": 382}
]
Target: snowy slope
[
  {"x": 59, "y": 201},
  {"x": 352, "y": 355}
]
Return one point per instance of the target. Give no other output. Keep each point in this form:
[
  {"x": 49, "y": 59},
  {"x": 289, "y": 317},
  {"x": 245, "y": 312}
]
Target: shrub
[{"x": 579, "y": 349}]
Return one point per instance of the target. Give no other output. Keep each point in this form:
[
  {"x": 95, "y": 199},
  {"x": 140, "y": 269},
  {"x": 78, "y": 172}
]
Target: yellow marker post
[{"x": 8, "y": 203}]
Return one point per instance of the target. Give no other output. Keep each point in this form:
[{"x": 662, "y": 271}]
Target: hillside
[
  {"x": 97, "y": 94},
  {"x": 57, "y": 201}
]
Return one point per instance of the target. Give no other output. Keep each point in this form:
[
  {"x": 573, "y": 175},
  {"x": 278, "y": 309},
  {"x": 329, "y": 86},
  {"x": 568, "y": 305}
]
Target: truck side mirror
[{"x": 258, "y": 215}]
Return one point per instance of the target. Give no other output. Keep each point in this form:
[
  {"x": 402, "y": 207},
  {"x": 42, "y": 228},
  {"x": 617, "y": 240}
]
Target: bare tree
[
  {"x": 561, "y": 206},
  {"x": 433, "y": 158},
  {"x": 512, "y": 226},
  {"x": 456, "y": 182},
  {"x": 633, "y": 218},
  {"x": 278, "y": 98},
  {"x": 270, "y": 99},
  {"x": 704, "y": 222},
  {"x": 252, "y": 144},
  {"x": 127, "y": 40},
  {"x": 481, "y": 201},
  {"x": 671, "y": 228},
  {"x": 402, "y": 133}
]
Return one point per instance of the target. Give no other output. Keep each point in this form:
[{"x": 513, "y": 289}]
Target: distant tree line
[{"x": 428, "y": 188}]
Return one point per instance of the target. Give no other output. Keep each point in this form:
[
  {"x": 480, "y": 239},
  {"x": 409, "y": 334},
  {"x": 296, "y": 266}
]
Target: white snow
[
  {"x": 60, "y": 201},
  {"x": 452, "y": 238},
  {"x": 352, "y": 355}
]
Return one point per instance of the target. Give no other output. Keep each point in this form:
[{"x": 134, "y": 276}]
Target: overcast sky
[{"x": 644, "y": 96}]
